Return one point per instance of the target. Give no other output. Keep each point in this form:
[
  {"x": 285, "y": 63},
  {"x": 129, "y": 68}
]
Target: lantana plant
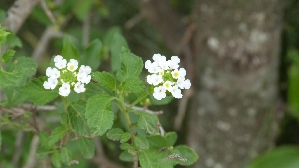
[{"x": 136, "y": 128}]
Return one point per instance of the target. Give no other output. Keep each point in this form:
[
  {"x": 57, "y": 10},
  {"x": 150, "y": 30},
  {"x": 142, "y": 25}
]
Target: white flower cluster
[
  {"x": 67, "y": 76},
  {"x": 166, "y": 77}
]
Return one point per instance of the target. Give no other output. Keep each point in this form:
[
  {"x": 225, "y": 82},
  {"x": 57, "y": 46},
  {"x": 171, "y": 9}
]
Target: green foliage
[
  {"x": 82, "y": 8},
  {"x": 99, "y": 113},
  {"x": 36, "y": 93},
  {"x": 86, "y": 146},
  {"x": 108, "y": 97},
  {"x": 281, "y": 157}
]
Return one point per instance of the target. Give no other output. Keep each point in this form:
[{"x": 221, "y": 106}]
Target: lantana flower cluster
[
  {"x": 166, "y": 77},
  {"x": 67, "y": 76}
]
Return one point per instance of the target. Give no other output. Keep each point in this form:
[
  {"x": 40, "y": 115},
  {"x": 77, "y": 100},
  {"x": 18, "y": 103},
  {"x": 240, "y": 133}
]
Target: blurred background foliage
[{"x": 110, "y": 21}]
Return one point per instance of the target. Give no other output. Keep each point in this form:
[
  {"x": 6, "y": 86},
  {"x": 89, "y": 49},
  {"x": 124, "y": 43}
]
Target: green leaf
[
  {"x": 57, "y": 134},
  {"x": 126, "y": 146},
  {"x": 187, "y": 153},
  {"x": 125, "y": 137},
  {"x": 148, "y": 122},
  {"x": 280, "y": 157},
  {"x": 44, "y": 139},
  {"x": 36, "y": 93},
  {"x": 157, "y": 142},
  {"x": 12, "y": 40},
  {"x": 69, "y": 49},
  {"x": 86, "y": 147},
  {"x": 141, "y": 142},
  {"x": 131, "y": 65},
  {"x": 7, "y": 56},
  {"x": 56, "y": 159},
  {"x": 99, "y": 113},
  {"x": 66, "y": 156},
  {"x": 21, "y": 68},
  {"x": 115, "y": 134},
  {"x": 126, "y": 156},
  {"x": 293, "y": 89},
  {"x": 13, "y": 96},
  {"x": 165, "y": 100},
  {"x": 133, "y": 85},
  {"x": 105, "y": 79},
  {"x": 91, "y": 55},
  {"x": 82, "y": 8},
  {"x": 148, "y": 159},
  {"x": 77, "y": 119},
  {"x": 116, "y": 43},
  {"x": 171, "y": 138},
  {"x": 42, "y": 153}
]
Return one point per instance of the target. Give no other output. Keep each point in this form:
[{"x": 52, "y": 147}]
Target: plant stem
[{"x": 138, "y": 100}]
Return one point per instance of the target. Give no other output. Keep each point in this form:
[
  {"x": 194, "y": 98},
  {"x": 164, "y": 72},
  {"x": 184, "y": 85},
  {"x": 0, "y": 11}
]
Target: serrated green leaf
[
  {"x": 21, "y": 68},
  {"x": 13, "y": 96},
  {"x": 36, "y": 93},
  {"x": 115, "y": 134},
  {"x": 7, "y": 56},
  {"x": 171, "y": 138},
  {"x": 187, "y": 153},
  {"x": 56, "y": 159},
  {"x": 77, "y": 119},
  {"x": 105, "y": 79},
  {"x": 141, "y": 142},
  {"x": 44, "y": 139},
  {"x": 126, "y": 156},
  {"x": 125, "y": 137},
  {"x": 133, "y": 85},
  {"x": 57, "y": 134},
  {"x": 69, "y": 49},
  {"x": 116, "y": 42},
  {"x": 99, "y": 113},
  {"x": 66, "y": 156},
  {"x": 86, "y": 147},
  {"x": 91, "y": 55},
  {"x": 148, "y": 122},
  {"x": 131, "y": 65},
  {"x": 133, "y": 151},
  {"x": 126, "y": 146},
  {"x": 148, "y": 159}
]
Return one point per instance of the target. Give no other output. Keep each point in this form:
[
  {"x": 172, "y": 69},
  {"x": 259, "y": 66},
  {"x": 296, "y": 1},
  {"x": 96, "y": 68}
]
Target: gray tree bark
[{"x": 232, "y": 115}]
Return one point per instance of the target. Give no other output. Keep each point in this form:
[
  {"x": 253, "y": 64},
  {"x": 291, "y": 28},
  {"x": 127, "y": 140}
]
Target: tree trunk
[{"x": 232, "y": 115}]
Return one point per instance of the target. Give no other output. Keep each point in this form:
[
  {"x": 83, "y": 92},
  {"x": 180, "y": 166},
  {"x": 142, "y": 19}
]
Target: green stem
[{"x": 138, "y": 100}]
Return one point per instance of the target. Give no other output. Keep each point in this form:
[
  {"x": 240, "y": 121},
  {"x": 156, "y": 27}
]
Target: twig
[
  {"x": 31, "y": 161},
  {"x": 48, "y": 34},
  {"x": 17, "y": 14},
  {"x": 133, "y": 21},
  {"x": 86, "y": 30},
  {"x": 141, "y": 109},
  {"x": 48, "y": 12},
  {"x": 135, "y": 159},
  {"x": 162, "y": 131}
]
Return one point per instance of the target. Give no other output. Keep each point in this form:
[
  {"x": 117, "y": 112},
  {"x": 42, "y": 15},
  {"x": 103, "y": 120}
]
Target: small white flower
[
  {"x": 163, "y": 63},
  {"x": 176, "y": 92},
  {"x": 65, "y": 89},
  {"x": 60, "y": 63},
  {"x": 184, "y": 84},
  {"x": 154, "y": 79},
  {"x": 175, "y": 74},
  {"x": 85, "y": 69},
  {"x": 72, "y": 65},
  {"x": 156, "y": 57},
  {"x": 79, "y": 87},
  {"x": 83, "y": 77},
  {"x": 50, "y": 84},
  {"x": 167, "y": 85},
  {"x": 174, "y": 62},
  {"x": 159, "y": 92},
  {"x": 52, "y": 73},
  {"x": 182, "y": 72},
  {"x": 152, "y": 67}
]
